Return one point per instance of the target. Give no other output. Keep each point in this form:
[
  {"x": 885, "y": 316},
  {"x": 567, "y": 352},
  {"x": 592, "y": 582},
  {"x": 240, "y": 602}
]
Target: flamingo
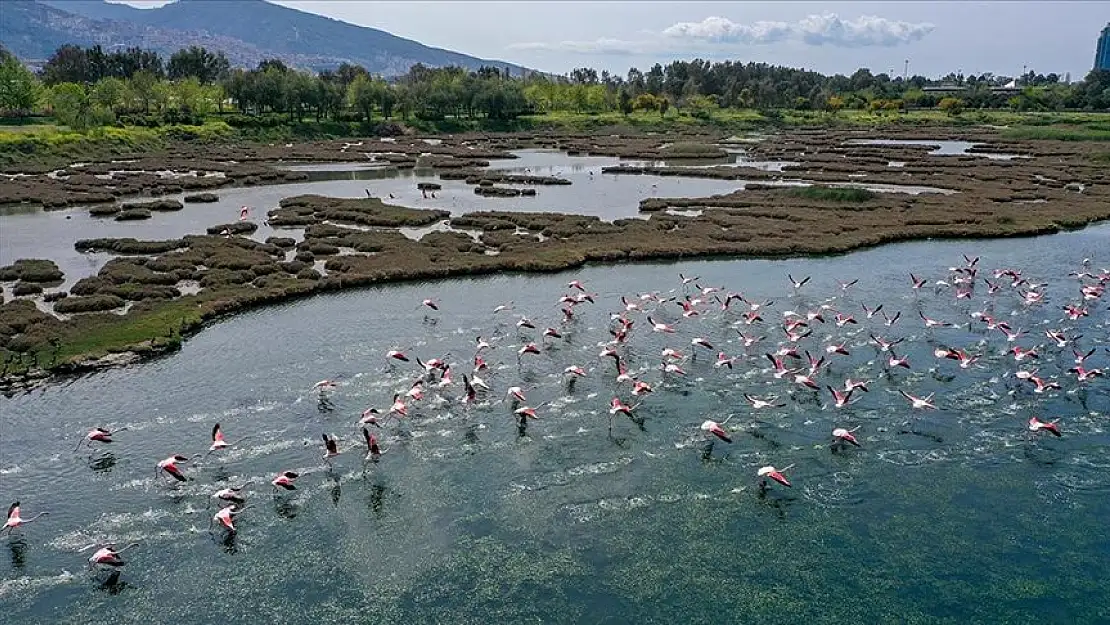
[
  {"x": 660, "y": 327},
  {"x": 840, "y": 399},
  {"x": 430, "y": 303},
  {"x": 920, "y": 403},
  {"x": 699, "y": 341},
  {"x": 895, "y": 361},
  {"x": 526, "y": 412},
  {"x": 285, "y": 480},
  {"x": 933, "y": 323},
  {"x": 616, "y": 406},
  {"x": 688, "y": 280},
  {"x": 724, "y": 361},
  {"x": 324, "y": 385},
  {"x": 107, "y": 555},
  {"x": 14, "y": 520},
  {"x": 218, "y": 441},
  {"x": 716, "y": 429},
  {"x": 169, "y": 467},
  {"x": 672, "y": 353},
  {"x": 525, "y": 322},
  {"x": 1036, "y": 425},
  {"x": 99, "y": 435},
  {"x": 502, "y": 308},
  {"x": 852, "y": 385},
  {"x": 1081, "y": 357},
  {"x": 917, "y": 284},
  {"x": 780, "y": 369},
  {"x": 750, "y": 340},
  {"x": 552, "y": 333},
  {"x": 226, "y": 517},
  {"x": 759, "y": 404},
  {"x": 871, "y": 312},
  {"x": 575, "y": 370},
  {"x": 890, "y": 321},
  {"x": 529, "y": 348},
  {"x": 372, "y": 449},
  {"x": 806, "y": 381},
  {"x": 629, "y": 306},
  {"x": 516, "y": 393},
  {"x": 1058, "y": 337},
  {"x": 331, "y": 447},
  {"x": 639, "y": 387},
  {"x": 841, "y": 435},
  {"x": 796, "y": 283},
  {"x": 397, "y": 355},
  {"x": 843, "y": 320},
  {"x": 576, "y": 284},
  {"x": 837, "y": 349},
  {"x": 398, "y": 407},
  {"x": 1040, "y": 386},
  {"x": 1084, "y": 375},
  {"x": 770, "y": 471},
  {"x": 232, "y": 494},
  {"x": 416, "y": 391},
  {"x": 1021, "y": 354},
  {"x": 844, "y": 286},
  {"x": 481, "y": 344},
  {"x": 244, "y": 213},
  {"x": 370, "y": 417}
]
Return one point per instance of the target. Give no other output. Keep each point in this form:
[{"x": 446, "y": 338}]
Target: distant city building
[{"x": 1102, "y": 53}]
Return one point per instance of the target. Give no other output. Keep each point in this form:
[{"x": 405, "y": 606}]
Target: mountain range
[{"x": 247, "y": 31}]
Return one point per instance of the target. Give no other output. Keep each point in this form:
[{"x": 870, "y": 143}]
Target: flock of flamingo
[{"x": 783, "y": 343}]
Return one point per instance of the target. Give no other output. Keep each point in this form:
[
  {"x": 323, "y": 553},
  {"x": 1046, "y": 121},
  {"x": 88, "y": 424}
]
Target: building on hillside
[{"x": 1102, "y": 52}]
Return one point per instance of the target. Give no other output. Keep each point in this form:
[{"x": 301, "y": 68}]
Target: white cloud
[
  {"x": 866, "y": 30},
  {"x": 720, "y": 33},
  {"x": 724, "y": 30}
]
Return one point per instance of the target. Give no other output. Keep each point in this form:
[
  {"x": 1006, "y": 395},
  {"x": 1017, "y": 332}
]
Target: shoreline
[{"x": 353, "y": 243}]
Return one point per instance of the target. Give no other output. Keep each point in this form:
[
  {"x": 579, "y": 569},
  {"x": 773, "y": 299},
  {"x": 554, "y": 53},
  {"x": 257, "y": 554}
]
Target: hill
[{"x": 247, "y": 31}]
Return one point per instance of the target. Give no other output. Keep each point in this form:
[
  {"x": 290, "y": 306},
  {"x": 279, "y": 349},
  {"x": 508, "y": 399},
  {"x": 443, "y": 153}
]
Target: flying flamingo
[
  {"x": 226, "y": 517},
  {"x": 920, "y": 403},
  {"x": 770, "y": 471},
  {"x": 871, "y": 312},
  {"x": 699, "y": 341},
  {"x": 169, "y": 467},
  {"x": 107, "y": 555},
  {"x": 1036, "y": 425},
  {"x": 917, "y": 284},
  {"x": 471, "y": 395},
  {"x": 724, "y": 361},
  {"x": 1084, "y": 375},
  {"x": 890, "y": 321},
  {"x": 639, "y": 387},
  {"x": 14, "y": 520},
  {"x": 218, "y": 441},
  {"x": 244, "y": 213},
  {"x": 397, "y": 355},
  {"x": 516, "y": 393},
  {"x": 840, "y": 398},
  {"x": 660, "y": 327},
  {"x": 285, "y": 480},
  {"x": 373, "y": 452},
  {"x": 759, "y": 404},
  {"x": 232, "y": 494},
  {"x": 430, "y": 303},
  {"x": 716, "y": 429},
  {"x": 324, "y": 385},
  {"x": 844, "y": 286},
  {"x": 796, "y": 283},
  {"x": 331, "y": 448},
  {"x": 895, "y": 361},
  {"x": 99, "y": 435},
  {"x": 841, "y": 435},
  {"x": 576, "y": 284},
  {"x": 398, "y": 407}
]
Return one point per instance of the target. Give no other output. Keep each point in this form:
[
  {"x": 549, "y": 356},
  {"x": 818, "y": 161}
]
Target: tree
[
  {"x": 663, "y": 104},
  {"x": 109, "y": 95},
  {"x": 362, "y": 95},
  {"x": 624, "y": 101},
  {"x": 951, "y": 106},
  {"x": 834, "y": 103},
  {"x": 19, "y": 89},
  {"x": 199, "y": 63},
  {"x": 72, "y": 106},
  {"x": 69, "y": 63},
  {"x": 142, "y": 86}
]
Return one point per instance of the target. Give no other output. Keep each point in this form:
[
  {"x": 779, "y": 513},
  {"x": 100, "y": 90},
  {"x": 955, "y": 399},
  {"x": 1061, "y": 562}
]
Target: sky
[{"x": 831, "y": 37}]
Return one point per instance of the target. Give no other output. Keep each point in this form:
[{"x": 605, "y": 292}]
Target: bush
[
  {"x": 104, "y": 211},
  {"x": 239, "y": 227},
  {"x": 201, "y": 198},
  {"x": 26, "y": 288},
  {"x": 134, "y": 214},
  {"x": 92, "y": 303},
  {"x": 154, "y": 205},
  {"x": 282, "y": 242},
  {"x": 128, "y": 246},
  {"x": 32, "y": 270}
]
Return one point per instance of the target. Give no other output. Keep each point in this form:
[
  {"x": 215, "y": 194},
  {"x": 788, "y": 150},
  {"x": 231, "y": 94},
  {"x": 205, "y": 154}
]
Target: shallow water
[
  {"x": 943, "y": 147},
  {"x": 51, "y": 234},
  {"x": 468, "y": 519}
]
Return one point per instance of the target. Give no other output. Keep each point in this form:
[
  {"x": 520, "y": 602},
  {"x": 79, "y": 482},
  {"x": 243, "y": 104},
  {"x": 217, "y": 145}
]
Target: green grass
[
  {"x": 1090, "y": 132},
  {"x": 831, "y": 194}
]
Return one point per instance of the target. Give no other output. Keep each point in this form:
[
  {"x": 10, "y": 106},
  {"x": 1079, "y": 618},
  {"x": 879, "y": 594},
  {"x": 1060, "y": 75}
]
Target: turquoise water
[{"x": 955, "y": 515}]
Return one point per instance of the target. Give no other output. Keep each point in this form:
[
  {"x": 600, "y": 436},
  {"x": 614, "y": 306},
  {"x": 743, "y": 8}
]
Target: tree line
[{"x": 84, "y": 87}]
